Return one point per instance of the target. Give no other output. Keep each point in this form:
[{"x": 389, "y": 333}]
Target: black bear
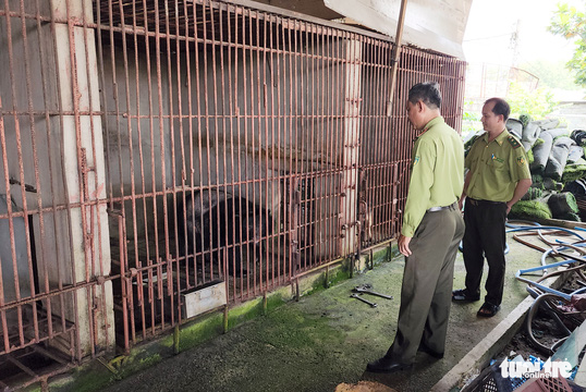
[{"x": 217, "y": 221}]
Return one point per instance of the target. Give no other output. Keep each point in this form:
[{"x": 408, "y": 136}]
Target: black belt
[
  {"x": 475, "y": 202},
  {"x": 436, "y": 209}
]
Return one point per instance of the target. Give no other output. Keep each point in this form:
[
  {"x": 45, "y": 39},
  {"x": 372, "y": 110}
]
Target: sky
[{"x": 491, "y": 24}]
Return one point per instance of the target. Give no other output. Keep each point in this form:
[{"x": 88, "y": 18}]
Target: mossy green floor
[{"x": 325, "y": 339}]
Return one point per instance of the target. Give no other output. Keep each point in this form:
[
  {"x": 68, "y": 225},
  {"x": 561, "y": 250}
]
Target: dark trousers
[
  {"x": 485, "y": 233},
  {"x": 427, "y": 285}
]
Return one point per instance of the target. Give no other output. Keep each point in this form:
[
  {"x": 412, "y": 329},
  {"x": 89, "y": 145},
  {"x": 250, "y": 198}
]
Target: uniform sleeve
[
  {"x": 520, "y": 166},
  {"x": 422, "y": 178}
]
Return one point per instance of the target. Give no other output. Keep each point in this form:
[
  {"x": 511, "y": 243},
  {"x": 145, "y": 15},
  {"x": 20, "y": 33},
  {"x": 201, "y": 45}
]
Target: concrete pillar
[
  {"x": 84, "y": 168},
  {"x": 351, "y": 148}
]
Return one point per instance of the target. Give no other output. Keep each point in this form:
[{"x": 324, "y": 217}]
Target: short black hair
[
  {"x": 428, "y": 92},
  {"x": 500, "y": 107}
]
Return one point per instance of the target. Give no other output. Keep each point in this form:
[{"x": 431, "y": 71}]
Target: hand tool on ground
[
  {"x": 365, "y": 288},
  {"x": 372, "y": 304}
]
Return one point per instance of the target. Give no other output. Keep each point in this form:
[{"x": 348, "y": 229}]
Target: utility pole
[{"x": 514, "y": 44}]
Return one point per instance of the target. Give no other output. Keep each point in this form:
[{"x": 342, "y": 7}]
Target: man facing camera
[{"x": 498, "y": 177}]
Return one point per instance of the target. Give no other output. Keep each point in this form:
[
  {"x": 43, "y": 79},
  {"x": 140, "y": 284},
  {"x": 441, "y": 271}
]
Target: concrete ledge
[{"x": 479, "y": 357}]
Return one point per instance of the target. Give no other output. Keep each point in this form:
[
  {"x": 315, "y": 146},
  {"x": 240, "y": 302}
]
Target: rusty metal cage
[{"x": 153, "y": 148}]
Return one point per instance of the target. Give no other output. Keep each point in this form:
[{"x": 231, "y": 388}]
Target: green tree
[
  {"x": 470, "y": 119},
  {"x": 537, "y": 103},
  {"x": 551, "y": 74},
  {"x": 570, "y": 23}
]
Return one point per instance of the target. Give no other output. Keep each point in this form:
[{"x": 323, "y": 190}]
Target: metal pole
[{"x": 396, "y": 54}]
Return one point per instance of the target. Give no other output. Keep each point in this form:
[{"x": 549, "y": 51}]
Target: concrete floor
[{"x": 327, "y": 338}]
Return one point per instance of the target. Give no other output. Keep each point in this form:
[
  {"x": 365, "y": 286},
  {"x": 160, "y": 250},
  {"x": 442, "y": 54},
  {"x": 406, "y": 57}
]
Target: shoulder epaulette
[{"x": 514, "y": 142}]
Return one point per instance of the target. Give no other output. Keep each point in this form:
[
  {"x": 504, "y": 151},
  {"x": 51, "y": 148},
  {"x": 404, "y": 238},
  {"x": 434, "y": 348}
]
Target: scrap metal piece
[
  {"x": 365, "y": 289},
  {"x": 372, "y": 304}
]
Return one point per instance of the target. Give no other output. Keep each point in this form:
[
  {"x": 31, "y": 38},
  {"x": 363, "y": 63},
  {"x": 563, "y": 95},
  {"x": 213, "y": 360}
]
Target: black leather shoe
[
  {"x": 424, "y": 349},
  {"x": 463, "y": 296},
  {"x": 385, "y": 365}
]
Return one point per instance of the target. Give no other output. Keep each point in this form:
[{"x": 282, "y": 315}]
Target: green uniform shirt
[
  {"x": 437, "y": 173},
  {"x": 496, "y": 167}
]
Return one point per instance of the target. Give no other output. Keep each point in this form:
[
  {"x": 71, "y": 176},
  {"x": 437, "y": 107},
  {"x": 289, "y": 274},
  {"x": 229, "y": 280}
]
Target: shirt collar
[
  {"x": 500, "y": 139},
  {"x": 434, "y": 121}
]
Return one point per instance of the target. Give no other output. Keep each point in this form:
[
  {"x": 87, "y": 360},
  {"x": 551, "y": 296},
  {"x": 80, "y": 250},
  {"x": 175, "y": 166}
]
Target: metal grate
[
  {"x": 239, "y": 136},
  {"x": 53, "y": 251},
  {"x": 151, "y": 148}
]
